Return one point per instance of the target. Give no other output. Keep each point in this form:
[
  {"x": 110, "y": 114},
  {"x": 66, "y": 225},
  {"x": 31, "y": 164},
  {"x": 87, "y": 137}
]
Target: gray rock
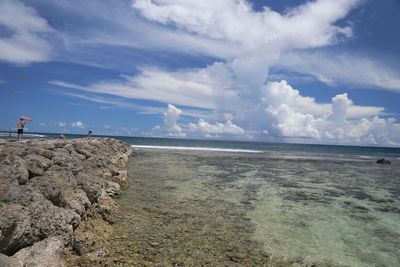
[
  {"x": 6, "y": 261},
  {"x": 52, "y": 183},
  {"x": 75, "y": 199},
  {"x": 30, "y": 218},
  {"x": 37, "y": 165},
  {"x": 13, "y": 168},
  {"x": 47, "y": 187},
  {"x": 112, "y": 188},
  {"x": 42, "y": 254}
]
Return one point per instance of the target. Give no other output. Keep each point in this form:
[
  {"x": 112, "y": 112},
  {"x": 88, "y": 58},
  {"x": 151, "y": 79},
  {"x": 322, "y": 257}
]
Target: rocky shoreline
[{"x": 56, "y": 206}]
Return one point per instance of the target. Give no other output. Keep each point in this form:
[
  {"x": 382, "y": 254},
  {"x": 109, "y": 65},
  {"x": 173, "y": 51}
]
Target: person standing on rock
[{"x": 21, "y": 125}]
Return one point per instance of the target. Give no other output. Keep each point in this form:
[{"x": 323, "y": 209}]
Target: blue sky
[{"x": 322, "y": 71}]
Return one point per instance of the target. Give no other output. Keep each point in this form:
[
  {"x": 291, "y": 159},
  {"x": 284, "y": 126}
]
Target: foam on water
[{"x": 199, "y": 149}]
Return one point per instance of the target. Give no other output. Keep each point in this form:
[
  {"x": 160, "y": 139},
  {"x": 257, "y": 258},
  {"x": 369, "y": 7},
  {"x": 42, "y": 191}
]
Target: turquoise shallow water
[{"x": 275, "y": 208}]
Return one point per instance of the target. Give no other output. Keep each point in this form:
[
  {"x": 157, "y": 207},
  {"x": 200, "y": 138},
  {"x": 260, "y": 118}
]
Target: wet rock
[
  {"x": 383, "y": 161},
  {"x": 91, "y": 235},
  {"x": 104, "y": 208}
]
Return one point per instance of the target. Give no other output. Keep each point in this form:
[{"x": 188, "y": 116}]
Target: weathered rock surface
[
  {"x": 383, "y": 161},
  {"x": 50, "y": 188}
]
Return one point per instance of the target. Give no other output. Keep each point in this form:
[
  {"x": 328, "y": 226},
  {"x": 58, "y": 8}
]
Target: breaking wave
[{"x": 199, "y": 149}]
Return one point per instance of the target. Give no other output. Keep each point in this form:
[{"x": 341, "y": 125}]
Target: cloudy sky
[{"x": 321, "y": 71}]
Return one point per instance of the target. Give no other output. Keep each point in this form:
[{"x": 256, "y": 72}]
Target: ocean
[{"x": 223, "y": 203}]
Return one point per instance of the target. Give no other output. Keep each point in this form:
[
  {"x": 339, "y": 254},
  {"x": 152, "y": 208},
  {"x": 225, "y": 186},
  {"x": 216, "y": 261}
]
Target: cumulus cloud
[
  {"x": 23, "y": 41},
  {"x": 284, "y": 113},
  {"x": 170, "y": 127},
  {"x": 217, "y": 129},
  {"x": 286, "y": 122},
  {"x": 61, "y": 124},
  {"x": 291, "y": 115},
  {"x": 201, "y": 128},
  {"x": 170, "y": 118}
]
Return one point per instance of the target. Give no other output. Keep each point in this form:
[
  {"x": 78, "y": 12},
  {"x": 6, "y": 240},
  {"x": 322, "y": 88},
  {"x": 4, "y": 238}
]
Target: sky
[{"x": 320, "y": 71}]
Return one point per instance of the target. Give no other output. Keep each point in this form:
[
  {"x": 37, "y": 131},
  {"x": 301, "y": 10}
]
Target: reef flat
[{"x": 56, "y": 201}]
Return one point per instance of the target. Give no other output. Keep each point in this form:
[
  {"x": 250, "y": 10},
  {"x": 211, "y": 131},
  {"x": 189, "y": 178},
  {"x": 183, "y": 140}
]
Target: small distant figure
[
  {"x": 89, "y": 134},
  {"x": 20, "y": 125}
]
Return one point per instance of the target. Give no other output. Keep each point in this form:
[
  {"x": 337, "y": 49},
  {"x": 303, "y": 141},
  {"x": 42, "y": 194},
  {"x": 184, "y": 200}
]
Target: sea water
[{"x": 227, "y": 204}]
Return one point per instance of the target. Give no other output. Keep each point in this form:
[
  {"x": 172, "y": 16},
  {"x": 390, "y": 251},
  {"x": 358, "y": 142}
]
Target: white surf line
[{"x": 199, "y": 148}]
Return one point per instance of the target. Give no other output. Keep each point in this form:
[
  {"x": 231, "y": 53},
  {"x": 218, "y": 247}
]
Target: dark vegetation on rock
[{"x": 53, "y": 193}]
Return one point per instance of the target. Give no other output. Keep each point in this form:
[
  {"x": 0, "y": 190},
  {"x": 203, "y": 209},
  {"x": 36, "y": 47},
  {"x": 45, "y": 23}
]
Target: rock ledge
[{"x": 49, "y": 188}]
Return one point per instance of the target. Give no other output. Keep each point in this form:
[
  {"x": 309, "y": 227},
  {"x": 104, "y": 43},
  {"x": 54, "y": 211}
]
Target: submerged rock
[
  {"x": 48, "y": 187},
  {"x": 383, "y": 161}
]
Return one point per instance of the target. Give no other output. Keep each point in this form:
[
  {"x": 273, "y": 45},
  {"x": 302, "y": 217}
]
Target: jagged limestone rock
[{"x": 48, "y": 188}]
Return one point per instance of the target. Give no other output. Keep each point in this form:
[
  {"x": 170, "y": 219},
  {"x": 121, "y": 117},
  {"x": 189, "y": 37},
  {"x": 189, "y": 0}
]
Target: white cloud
[
  {"x": 171, "y": 127},
  {"x": 217, "y": 129},
  {"x": 247, "y": 44},
  {"x": 342, "y": 69},
  {"x": 24, "y": 43},
  {"x": 195, "y": 87},
  {"x": 284, "y": 113},
  {"x": 309, "y": 25},
  {"x": 250, "y": 42},
  {"x": 78, "y": 124},
  {"x": 2, "y": 81},
  {"x": 261, "y": 36},
  {"x": 170, "y": 118},
  {"x": 289, "y": 117},
  {"x": 61, "y": 124},
  {"x": 202, "y": 128}
]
